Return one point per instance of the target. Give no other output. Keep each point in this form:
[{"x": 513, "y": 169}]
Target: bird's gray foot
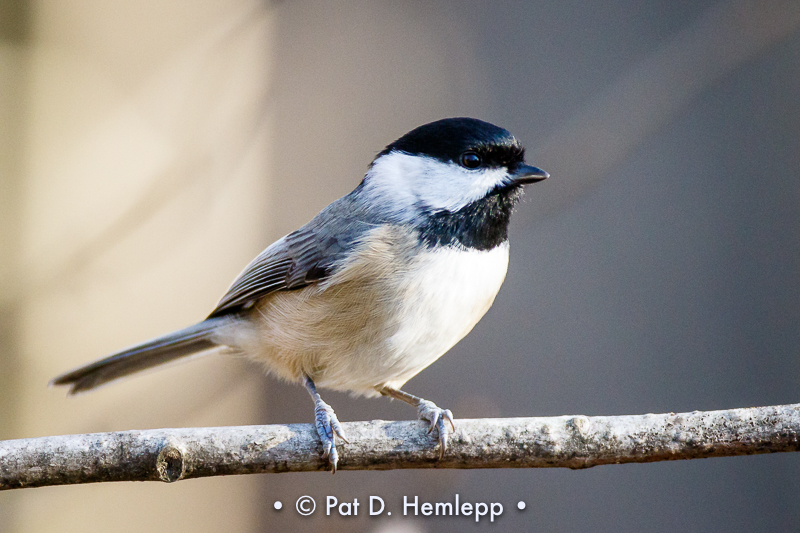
[
  {"x": 328, "y": 426},
  {"x": 439, "y": 418}
]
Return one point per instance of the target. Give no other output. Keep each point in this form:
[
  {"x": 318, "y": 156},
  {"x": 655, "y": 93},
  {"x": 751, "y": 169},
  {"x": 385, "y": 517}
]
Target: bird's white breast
[{"x": 443, "y": 294}]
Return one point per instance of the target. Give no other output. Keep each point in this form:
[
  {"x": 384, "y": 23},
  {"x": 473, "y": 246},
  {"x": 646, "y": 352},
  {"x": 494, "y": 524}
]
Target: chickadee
[{"x": 377, "y": 286}]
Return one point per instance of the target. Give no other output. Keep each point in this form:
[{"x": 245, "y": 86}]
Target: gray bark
[{"x": 564, "y": 441}]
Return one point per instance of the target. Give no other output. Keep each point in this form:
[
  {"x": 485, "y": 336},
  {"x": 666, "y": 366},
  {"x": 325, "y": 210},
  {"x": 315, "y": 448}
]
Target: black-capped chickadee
[{"x": 377, "y": 286}]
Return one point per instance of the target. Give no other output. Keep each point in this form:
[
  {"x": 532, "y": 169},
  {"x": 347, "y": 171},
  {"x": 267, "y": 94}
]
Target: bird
[{"x": 376, "y": 287}]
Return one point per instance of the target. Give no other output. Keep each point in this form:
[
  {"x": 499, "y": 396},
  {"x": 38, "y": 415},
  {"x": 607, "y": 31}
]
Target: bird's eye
[{"x": 470, "y": 160}]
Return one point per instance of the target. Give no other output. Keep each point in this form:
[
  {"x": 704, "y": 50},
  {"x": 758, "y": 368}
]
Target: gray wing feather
[
  {"x": 301, "y": 258},
  {"x": 267, "y": 273}
]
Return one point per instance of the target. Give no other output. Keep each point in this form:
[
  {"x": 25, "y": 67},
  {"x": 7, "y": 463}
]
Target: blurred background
[{"x": 149, "y": 150}]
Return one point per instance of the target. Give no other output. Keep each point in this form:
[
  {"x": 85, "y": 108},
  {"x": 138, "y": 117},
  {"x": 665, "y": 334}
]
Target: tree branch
[{"x": 564, "y": 441}]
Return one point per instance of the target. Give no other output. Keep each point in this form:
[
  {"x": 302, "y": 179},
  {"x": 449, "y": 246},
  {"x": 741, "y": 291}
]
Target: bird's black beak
[{"x": 528, "y": 174}]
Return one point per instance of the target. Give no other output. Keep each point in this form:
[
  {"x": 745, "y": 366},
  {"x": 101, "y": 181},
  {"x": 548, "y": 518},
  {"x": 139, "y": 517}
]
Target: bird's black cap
[{"x": 449, "y": 138}]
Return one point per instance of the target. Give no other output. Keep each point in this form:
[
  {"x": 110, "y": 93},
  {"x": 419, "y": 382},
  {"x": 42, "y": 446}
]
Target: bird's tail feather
[{"x": 152, "y": 353}]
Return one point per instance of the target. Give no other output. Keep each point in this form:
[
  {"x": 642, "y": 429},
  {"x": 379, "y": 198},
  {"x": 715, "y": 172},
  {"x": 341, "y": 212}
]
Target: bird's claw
[
  {"x": 328, "y": 428},
  {"x": 438, "y": 418}
]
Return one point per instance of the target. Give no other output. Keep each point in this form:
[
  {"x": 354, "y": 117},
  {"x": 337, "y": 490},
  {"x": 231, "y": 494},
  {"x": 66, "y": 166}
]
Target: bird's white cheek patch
[
  {"x": 452, "y": 187},
  {"x": 402, "y": 183}
]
